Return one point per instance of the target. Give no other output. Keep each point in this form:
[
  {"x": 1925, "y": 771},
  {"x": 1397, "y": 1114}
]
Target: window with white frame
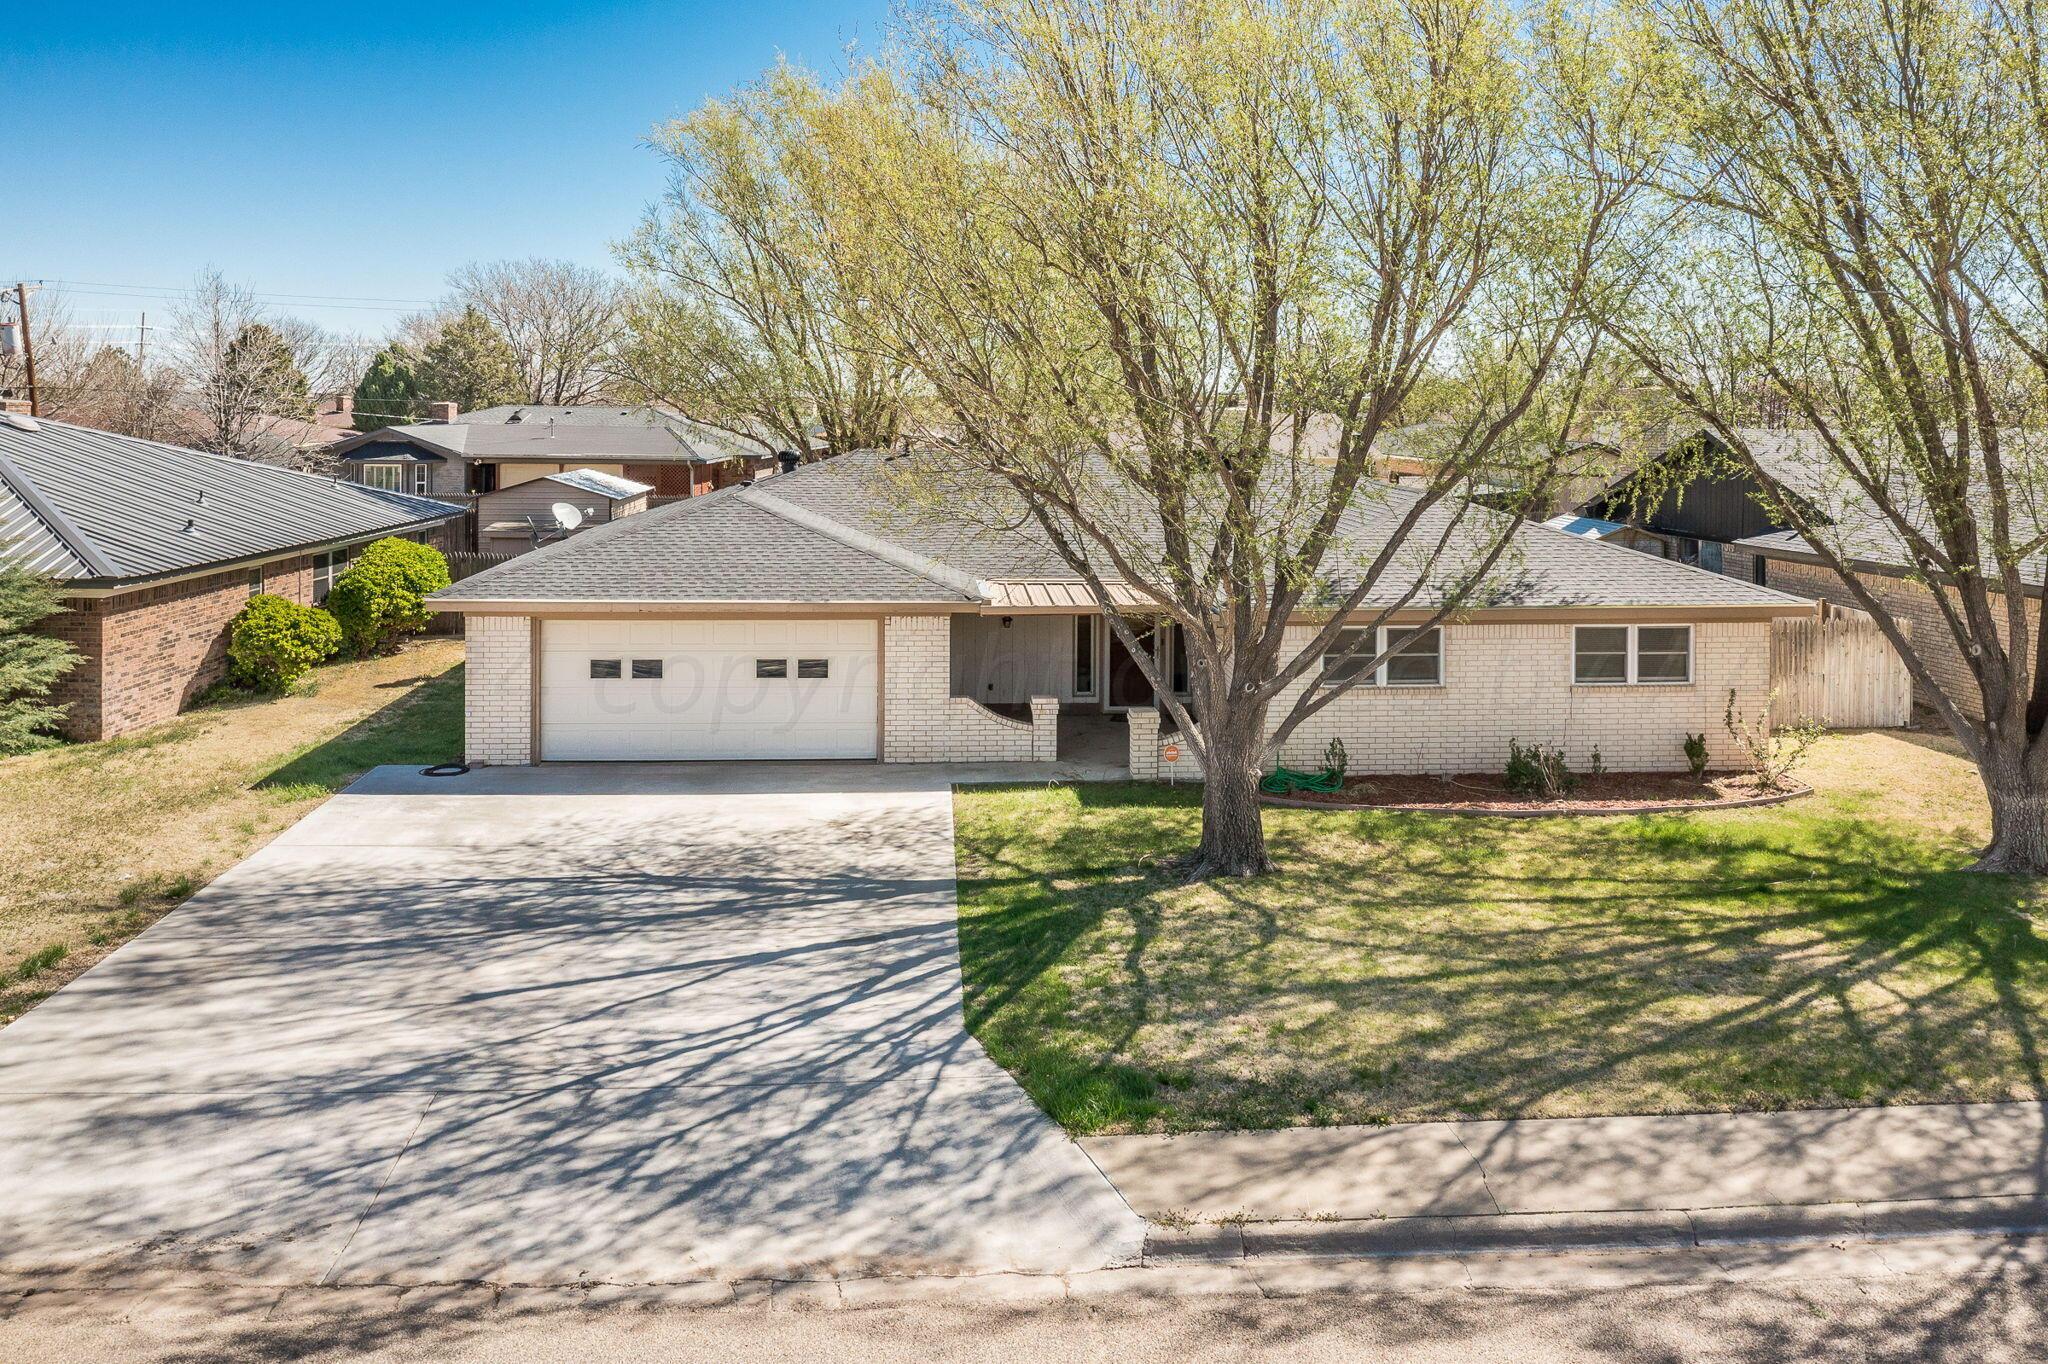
[
  {"x": 410, "y": 477},
  {"x": 1623, "y": 655},
  {"x": 1415, "y": 658},
  {"x": 326, "y": 568}
]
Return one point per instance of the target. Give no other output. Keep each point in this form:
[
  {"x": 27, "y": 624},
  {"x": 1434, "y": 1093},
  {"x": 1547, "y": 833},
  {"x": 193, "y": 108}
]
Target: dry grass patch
[
  {"x": 1404, "y": 966},
  {"x": 98, "y": 840}
]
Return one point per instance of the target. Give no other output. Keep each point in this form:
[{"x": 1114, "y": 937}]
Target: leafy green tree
[
  {"x": 1127, "y": 249},
  {"x": 274, "y": 641},
  {"x": 389, "y": 393},
  {"x": 381, "y": 597},
  {"x": 471, "y": 364},
  {"x": 30, "y": 664}
]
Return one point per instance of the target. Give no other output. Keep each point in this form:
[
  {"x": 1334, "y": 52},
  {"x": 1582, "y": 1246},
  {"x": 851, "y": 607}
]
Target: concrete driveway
[{"x": 621, "y": 1024}]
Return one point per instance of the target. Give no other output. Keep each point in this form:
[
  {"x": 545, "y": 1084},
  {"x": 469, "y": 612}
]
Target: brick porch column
[
  {"x": 1144, "y": 726},
  {"x": 1045, "y": 729}
]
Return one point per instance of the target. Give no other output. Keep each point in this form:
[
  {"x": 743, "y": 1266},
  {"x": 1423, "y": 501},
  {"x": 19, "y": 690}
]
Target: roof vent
[
  {"x": 21, "y": 421},
  {"x": 200, "y": 500},
  {"x": 191, "y": 526},
  {"x": 518, "y": 415}
]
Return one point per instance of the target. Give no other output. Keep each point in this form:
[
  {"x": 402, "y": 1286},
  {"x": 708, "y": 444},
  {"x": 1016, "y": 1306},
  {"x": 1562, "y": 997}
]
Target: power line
[{"x": 181, "y": 290}]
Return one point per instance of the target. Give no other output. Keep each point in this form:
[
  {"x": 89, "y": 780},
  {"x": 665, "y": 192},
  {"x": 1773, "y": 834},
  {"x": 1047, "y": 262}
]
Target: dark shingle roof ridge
[{"x": 1582, "y": 544}]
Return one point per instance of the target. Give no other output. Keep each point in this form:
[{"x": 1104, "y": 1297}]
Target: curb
[
  {"x": 1579, "y": 1232},
  {"x": 1556, "y": 811}
]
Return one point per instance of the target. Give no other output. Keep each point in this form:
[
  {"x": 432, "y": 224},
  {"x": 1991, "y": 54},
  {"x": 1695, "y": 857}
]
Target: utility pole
[
  {"x": 28, "y": 349},
  {"x": 141, "y": 335}
]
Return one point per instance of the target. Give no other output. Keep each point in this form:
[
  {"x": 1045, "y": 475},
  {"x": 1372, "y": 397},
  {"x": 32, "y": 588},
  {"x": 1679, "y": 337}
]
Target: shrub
[
  {"x": 382, "y": 595},
  {"x": 1696, "y": 754},
  {"x": 273, "y": 642},
  {"x": 1596, "y": 764},
  {"x": 1770, "y": 752},
  {"x": 1336, "y": 758},
  {"x": 1536, "y": 770}
]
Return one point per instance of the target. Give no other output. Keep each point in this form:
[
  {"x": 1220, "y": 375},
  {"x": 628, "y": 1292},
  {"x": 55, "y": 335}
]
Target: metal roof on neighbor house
[{"x": 87, "y": 506}]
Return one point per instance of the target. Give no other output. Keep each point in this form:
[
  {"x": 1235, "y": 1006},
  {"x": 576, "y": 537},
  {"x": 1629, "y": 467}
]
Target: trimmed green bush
[
  {"x": 382, "y": 595},
  {"x": 273, "y": 642}
]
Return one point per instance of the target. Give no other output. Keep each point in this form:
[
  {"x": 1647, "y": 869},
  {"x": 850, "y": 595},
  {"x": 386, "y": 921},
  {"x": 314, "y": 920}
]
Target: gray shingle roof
[
  {"x": 731, "y": 547},
  {"x": 82, "y": 505},
  {"x": 715, "y": 548},
  {"x": 600, "y": 435}
]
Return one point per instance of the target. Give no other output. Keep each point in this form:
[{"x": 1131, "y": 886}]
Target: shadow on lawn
[
  {"x": 1403, "y": 966},
  {"x": 423, "y": 726}
]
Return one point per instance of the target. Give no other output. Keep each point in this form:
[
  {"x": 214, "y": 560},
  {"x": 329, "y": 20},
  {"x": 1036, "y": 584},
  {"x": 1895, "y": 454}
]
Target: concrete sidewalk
[{"x": 1589, "y": 1183}]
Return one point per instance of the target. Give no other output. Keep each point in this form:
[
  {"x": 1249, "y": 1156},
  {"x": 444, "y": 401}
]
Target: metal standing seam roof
[
  {"x": 83, "y": 505},
  {"x": 724, "y": 547}
]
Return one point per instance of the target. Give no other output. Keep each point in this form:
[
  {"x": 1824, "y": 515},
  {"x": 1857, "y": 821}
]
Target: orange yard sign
[{"x": 1171, "y": 753}]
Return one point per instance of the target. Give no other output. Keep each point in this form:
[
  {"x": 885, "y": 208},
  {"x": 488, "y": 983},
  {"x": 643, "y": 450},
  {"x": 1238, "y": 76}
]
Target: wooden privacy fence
[
  {"x": 466, "y": 565},
  {"x": 1839, "y": 670}
]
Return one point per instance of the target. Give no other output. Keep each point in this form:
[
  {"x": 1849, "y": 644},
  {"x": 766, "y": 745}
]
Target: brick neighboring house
[
  {"x": 156, "y": 547},
  {"x": 813, "y": 617},
  {"x": 466, "y": 457}
]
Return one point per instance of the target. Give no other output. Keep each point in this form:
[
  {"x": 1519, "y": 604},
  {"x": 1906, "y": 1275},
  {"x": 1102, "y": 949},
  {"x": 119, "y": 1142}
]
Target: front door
[{"x": 1128, "y": 686}]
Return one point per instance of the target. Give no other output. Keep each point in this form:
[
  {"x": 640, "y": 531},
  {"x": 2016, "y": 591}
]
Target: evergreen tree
[
  {"x": 30, "y": 664},
  {"x": 389, "y": 394},
  {"x": 471, "y": 365},
  {"x": 262, "y": 366}
]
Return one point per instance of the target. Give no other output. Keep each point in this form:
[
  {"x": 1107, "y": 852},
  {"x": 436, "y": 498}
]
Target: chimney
[
  {"x": 442, "y": 412},
  {"x": 14, "y": 405},
  {"x": 344, "y": 404},
  {"x": 787, "y": 460}
]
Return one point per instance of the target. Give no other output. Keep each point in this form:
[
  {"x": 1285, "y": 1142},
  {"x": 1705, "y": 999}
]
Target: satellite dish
[{"x": 566, "y": 516}]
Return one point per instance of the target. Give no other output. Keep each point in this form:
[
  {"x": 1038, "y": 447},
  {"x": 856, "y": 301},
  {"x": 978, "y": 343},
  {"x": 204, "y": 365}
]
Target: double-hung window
[
  {"x": 1624, "y": 655},
  {"x": 1415, "y": 658}
]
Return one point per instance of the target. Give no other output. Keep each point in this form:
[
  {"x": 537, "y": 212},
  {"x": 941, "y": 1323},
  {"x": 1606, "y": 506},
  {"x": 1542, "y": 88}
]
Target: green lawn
[
  {"x": 1403, "y": 967},
  {"x": 99, "y": 840}
]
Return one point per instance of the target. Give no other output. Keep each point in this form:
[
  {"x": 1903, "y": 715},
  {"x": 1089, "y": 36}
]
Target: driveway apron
[{"x": 570, "y": 1023}]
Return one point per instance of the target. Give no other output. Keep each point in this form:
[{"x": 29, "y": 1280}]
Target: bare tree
[
  {"x": 562, "y": 320},
  {"x": 240, "y": 371}
]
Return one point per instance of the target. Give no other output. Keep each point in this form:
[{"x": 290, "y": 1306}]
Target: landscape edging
[{"x": 1553, "y": 811}]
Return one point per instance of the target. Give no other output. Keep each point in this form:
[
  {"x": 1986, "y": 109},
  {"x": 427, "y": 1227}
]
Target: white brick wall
[
  {"x": 498, "y": 689},
  {"x": 923, "y": 721},
  {"x": 1505, "y": 682}
]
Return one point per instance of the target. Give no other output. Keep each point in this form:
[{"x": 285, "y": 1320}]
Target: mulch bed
[{"x": 1609, "y": 793}]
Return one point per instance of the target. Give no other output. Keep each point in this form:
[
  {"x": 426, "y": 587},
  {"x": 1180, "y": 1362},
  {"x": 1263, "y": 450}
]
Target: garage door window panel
[
  {"x": 604, "y": 668},
  {"x": 767, "y": 668}
]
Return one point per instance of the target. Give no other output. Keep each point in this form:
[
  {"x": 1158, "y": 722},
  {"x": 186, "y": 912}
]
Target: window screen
[
  {"x": 1418, "y": 660},
  {"x": 1600, "y": 653},
  {"x": 1664, "y": 653}
]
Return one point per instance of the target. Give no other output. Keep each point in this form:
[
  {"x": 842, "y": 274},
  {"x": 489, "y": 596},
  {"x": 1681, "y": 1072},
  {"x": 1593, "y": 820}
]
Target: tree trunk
[
  {"x": 1233, "y": 834},
  {"x": 2019, "y": 819}
]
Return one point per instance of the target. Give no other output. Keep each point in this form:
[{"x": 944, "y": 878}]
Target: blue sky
[{"x": 358, "y": 150}]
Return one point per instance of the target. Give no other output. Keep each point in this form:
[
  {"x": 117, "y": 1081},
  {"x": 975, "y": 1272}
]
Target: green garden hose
[{"x": 1285, "y": 781}]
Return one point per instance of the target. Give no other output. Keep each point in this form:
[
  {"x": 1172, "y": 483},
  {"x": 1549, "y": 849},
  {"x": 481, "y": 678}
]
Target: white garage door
[{"x": 637, "y": 690}]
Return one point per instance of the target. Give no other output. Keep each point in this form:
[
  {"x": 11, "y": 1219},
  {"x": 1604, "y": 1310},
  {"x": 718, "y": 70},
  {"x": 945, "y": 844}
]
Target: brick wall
[
  {"x": 1933, "y": 641},
  {"x": 148, "y": 652},
  {"x": 498, "y": 690},
  {"x": 1505, "y": 682},
  {"x": 923, "y": 722}
]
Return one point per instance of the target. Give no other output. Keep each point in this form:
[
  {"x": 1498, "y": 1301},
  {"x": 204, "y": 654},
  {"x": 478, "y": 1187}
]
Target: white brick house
[{"x": 798, "y": 621}]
